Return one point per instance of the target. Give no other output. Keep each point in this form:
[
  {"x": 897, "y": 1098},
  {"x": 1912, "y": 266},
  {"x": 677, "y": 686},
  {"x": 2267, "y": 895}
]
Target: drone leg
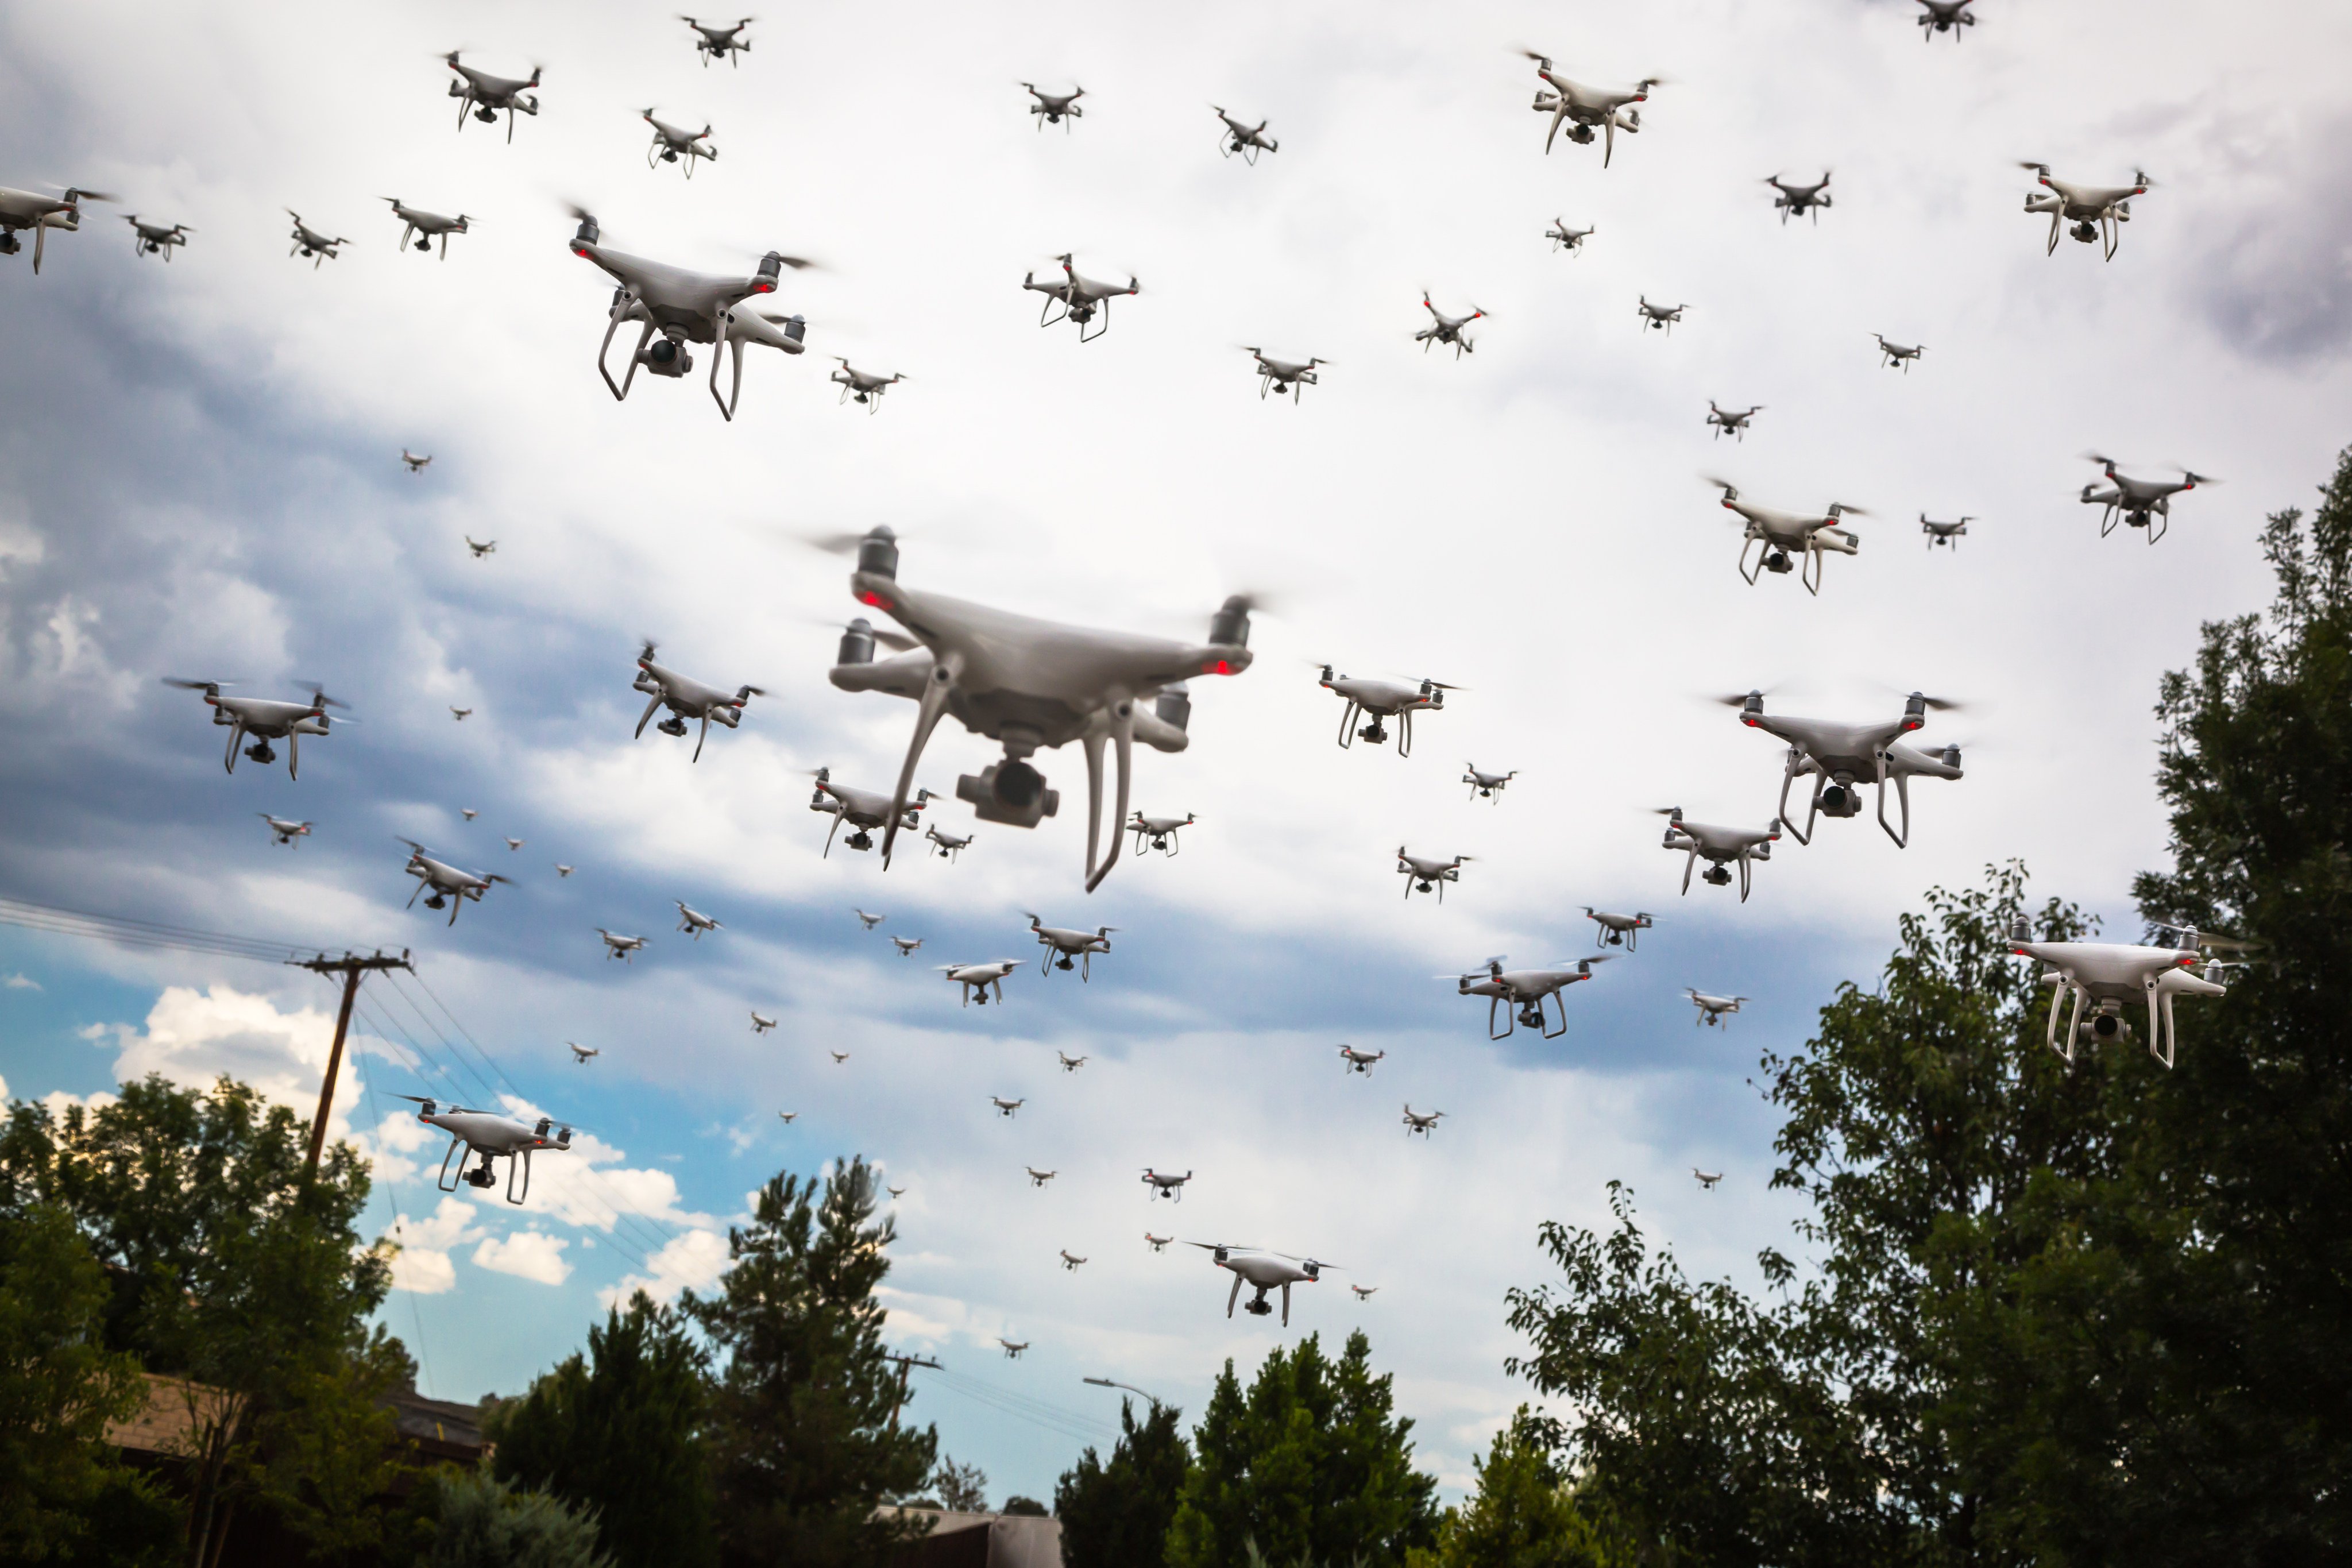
[
  {"x": 1811, "y": 574},
  {"x": 1688, "y": 866},
  {"x": 293, "y": 754},
  {"x": 620, "y": 391},
  {"x": 525, "y": 1163},
  {"x": 727, "y": 406},
  {"x": 2055, "y": 219},
  {"x": 412, "y": 897},
  {"x": 1901, "y": 794},
  {"x": 442, "y": 1180},
  {"x": 1609, "y": 139},
  {"x": 457, "y": 902},
  {"x": 2108, "y": 522},
  {"x": 1549, "y": 1033},
  {"x": 1743, "y": 876},
  {"x": 651, "y": 709},
  {"x": 2162, "y": 508},
  {"x": 1404, "y": 737},
  {"x": 1346, "y": 728},
  {"x": 927, "y": 717},
  {"x": 2113, "y": 234},
  {"x": 1086, "y": 967},
  {"x": 700, "y": 738},
  {"x": 828, "y": 837},
  {"x": 1233, "y": 1295},
  {"x": 464, "y": 107},
  {"x": 1788, "y": 777},
  {"x": 1087, "y": 337},
  {"x": 2171, "y": 1029},
  {"x": 1286, "y": 1303},
  {"x": 236, "y": 733},
  {"x": 1744, "y": 545},
  {"x": 510, "y": 124},
  {"x": 1492, "y": 1003},
  {"x": 1122, "y": 737}
]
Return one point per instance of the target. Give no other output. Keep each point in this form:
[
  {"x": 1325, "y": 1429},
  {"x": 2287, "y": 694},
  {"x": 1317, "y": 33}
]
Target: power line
[
  {"x": 1037, "y": 1412},
  {"x": 128, "y": 932}
]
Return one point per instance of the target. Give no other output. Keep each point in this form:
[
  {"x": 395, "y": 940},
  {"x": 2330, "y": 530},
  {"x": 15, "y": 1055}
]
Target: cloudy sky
[{"x": 201, "y": 480}]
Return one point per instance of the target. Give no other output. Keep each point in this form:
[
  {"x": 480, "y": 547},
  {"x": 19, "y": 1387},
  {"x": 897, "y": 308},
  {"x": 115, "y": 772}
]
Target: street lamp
[{"x": 1109, "y": 1382}]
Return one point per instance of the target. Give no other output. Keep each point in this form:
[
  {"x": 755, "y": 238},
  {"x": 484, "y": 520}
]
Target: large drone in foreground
[
  {"x": 1783, "y": 534},
  {"x": 2138, "y": 502},
  {"x": 1587, "y": 109},
  {"x": 490, "y": 1135},
  {"x": 484, "y": 95},
  {"x": 265, "y": 721},
  {"x": 1029, "y": 685},
  {"x": 1525, "y": 991},
  {"x": 686, "y": 699},
  {"x": 1262, "y": 1271},
  {"x": 2108, "y": 975},
  {"x": 30, "y": 209},
  {"x": 2092, "y": 213},
  {"x": 686, "y": 308},
  {"x": 1842, "y": 757}
]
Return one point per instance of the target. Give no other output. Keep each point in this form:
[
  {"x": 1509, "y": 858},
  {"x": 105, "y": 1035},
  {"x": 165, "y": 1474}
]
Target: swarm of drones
[{"x": 1034, "y": 686}]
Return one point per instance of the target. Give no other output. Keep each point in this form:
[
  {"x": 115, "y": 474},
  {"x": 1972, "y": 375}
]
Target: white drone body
[
  {"x": 1159, "y": 1242},
  {"x": 1012, "y": 1348},
  {"x": 2108, "y": 975},
  {"x": 283, "y": 830},
  {"x": 947, "y": 846},
  {"x": 619, "y": 946},
  {"x": 1164, "y": 1186},
  {"x": 1066, "y": 948},
  {"x": 711, "y": 42},
  {"x": 155, "y": 238},
  {"x": 461, "y": 715},
  {"x": 977, "y": 979},
  {"x": 1248, "y": 140},
  {"x": 483, "y": 95},
  {"x": 1840, "y": 757},
  {"x": 1069, "y": 1262},
  {"x": 1420, "y": 1122},
  {"x": 1354, "y": 1060},
  {"x": 1782, "y": 534},
  {"x": 1705, "y": 1178},
  {"x": 265, "y": 721},
  {"x": 906, "y": 945},
  {"x": 1057, "y": 108},
  {"x": 1070, "y": 1063},
  {"x": 1081, "y": 297},
  {"x": 676, "y": 144},
  {"x": 490, "y": 1135},
  {"x": 1517, "y": 995},
  {"x": 1612, "y": 930},
  {"x": 1712, "y": 1010},
  {"x": 2095, "y": 212},
  {"x": 863, "y": 384},
  {"x": 688, "y": 308},
  {"x": 694, "y": 921},
  {"x": 1158, "y": 832},
  {"x": 1364, "y": 1292},
  {"x": 1280, "y": 375},
  {"x": 864, "y": 809},
  {"x": 1660, "y": 318},
  {"x": 1445, "y": 328},
  {"x": 426, "y": 227},
  {"x": 1943, "y": 533},
  {"x": 1030, "y": 685},
  {"x": 1731, "y": 421},
  {"x": 788, "y": 1117},
  {"x": 1038, "y": 1178},
  {"x": 30, "y": 209},
  {"x": 2139, "y": 502},
  {"x": 686, "y": 699},
  {"x": 1487, "y": 786},
  {"x": 838, "y": 1056},
  {"x": 445, "y": 883},
  {"x": 1424, "y": 873},
  {"x": 310, "y": 242},
  {"x": 1720, "y": 846},
  {"x": 1005, "y": 1108},
  {"x": 1796, "y": 201},
  {"x": 867, "y": 921},
  {"x": 563, "y": 870},
  {"x": 1945, "y": 17},
  {"x": 1262, "y": 1271},
  {"x": 581, "y": 1053},
  {"x": 1587, "y": 109},
  {"x": 417, "y": 462},
  {"x": 1382, "y": 700},
  {"x": 760, "y": 1023},
  {"x": 1563, "y": 237},
  {"x": 481, "y": 547},
  {"x": 1897, "y": 355}
]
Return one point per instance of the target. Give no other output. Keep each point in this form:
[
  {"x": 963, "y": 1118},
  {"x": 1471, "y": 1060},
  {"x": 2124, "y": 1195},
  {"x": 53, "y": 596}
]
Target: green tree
[
  {"x": 1526, "y": 1513},
  {"x": 1311, "y": 1463},
  {"x": 238, "y": 1275},
  {"x": 962, "y": 1488},
  {"x": 622, "y": 1431},
  {"x": 59, "y": 1386},
  {"x": 804, "y": 1435},
  {"x": 1116, "y": 1512},
  {"x": 2162, "y": 1377},
  {"x": 482, "y": 1522}
]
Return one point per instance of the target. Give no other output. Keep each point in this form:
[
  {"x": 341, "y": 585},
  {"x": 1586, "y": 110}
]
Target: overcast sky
[{"x": 201, "y": 480}]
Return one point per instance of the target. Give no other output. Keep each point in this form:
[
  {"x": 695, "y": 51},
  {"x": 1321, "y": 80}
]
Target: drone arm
[{"x": 933, "y": 703}]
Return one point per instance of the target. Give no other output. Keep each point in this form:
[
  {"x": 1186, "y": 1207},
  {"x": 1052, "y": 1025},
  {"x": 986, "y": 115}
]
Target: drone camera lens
[{"x": 1018, "y": 784}]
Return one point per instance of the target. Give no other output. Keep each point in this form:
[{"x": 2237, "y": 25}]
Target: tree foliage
[
  {"x": 622, "y": 1431},
  {"x": 484, "y": 1522},
  {"x": 805, "y": 1437},
  {"x": 1311, "y": 1464},
  {"x": 1116, "y": 1512},
  {"x": 1526, "y": 1513}
]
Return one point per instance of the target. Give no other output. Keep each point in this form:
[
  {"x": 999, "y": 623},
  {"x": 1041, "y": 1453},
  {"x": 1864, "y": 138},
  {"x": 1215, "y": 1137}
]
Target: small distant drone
[
  {"x": 863, "y": 809},
  {"x": 1487, "y": 786},
  {"x": 1038, "y": 1178},
  {"x": 1785, "y": 533},
  {"x": 1382, "y": 700},
  {"x": 1354, "y": 1060},
  {"x": 30, "y": 209},
  {"x": 1280, "y": 375},
  {"x": 447, "y": 885},
  {"x": 468, "y": 812},
  {"x": 1731, "y": 421},
  {"x": 1563, "y": 237},
  {"x": 1712, "y": 1009},
  {"x": 1080, "y": 298},
  {"x": 461, "y": 715},
  {"x": 2095, "y": 212},
  {"x": 581, "y": 1053},
  {"x": 761, "y": 1024},
  {"x": 286, "y": 831},
  {"x": 515, "y": 843},
  {"x": 838, "y": 1056},
  {"x": 1064, "y": 946},
  {"x": 1262, "y": 1271},
  {"x": 676, "y": 143},
  {"x": 563, "y": 870},
  {"x": 788, "y": 1117},
  {"x": 1013, "y": 1349},
  {"x": 1030, "y": 684},
  {"x": 686, "y": 699},
  {"x": 1796, "y": 201},
  {"x": 417, "y": 462},
  {"x": 1719, "y": 846},
  {"x": 265, "y": 721},
  {"x": 977, "y": 978},
  {"x": 1248, "y": 140},
  {"x": 950, "y": 844},
  {"x": 1070, "y": 1063},
  {"x": 1897, "y": 355},
  {"x": 1945, "y": 17},
  {"x": 1424, "y": 873},
  {"x": 2108, "y": 975},
  {"x": 1707, "y": 1179},
  {"x": 1445, "y": 328},
  {"x": 1609, "y": 110},
  {"x": 1420, "y": 1122},
  {"x": 1069, "y": 1262},
  {"x": 1660, "y": 317},
  {"x": 426, "y": 227},
  {"x": 906, "y": 945},
  {"x": 686, "y": 308},
  {"x": 310, "y": 242},
  {"x": 485, "y": 94},
  {"x": 1943, "y": 532},
  {"x": 1525, "y": 991},
  {"x": 1363, "y": 1292},
  {"x": 1158, "y": 832},
  {"x": 1840, "y": 756},
  {"x": 711, "y": 42},
  {"x": 896, "y": 1191},
  {"x": 863, "y": 384},
  {"x": 490, "y": 1135},
  {"x": 1166, "y": 1187},
  {"x": 1159, "y": 1242},
  {"x": 154, "y": 239},
  {"x": 2138, "y": 501},
  {"x": 619, "y": 946},
  {"x": 867, "y": 921},
  {"x": 694, "y": 921},
  {"x": 1057, "y": 108},
  {"x": 481, "y": 547},
  {"x": 1618, "y": 930},
  {"x": 1005, "y": 1108}
]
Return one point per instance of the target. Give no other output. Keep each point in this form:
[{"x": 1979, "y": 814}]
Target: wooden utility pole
[
  {"x": 906, "y": 1363},
  {"x": 351, "y": 968}
]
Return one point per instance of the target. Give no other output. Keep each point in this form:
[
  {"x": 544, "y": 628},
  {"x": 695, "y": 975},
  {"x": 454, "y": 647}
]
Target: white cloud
[
  {"x": 21, "y": 982},
  {"x": 422, "y": 1264},
  {"x": 688, "y": 1261},
  {"x": 193, "y": 1036},
  {"x": 527, "y": 1253}
]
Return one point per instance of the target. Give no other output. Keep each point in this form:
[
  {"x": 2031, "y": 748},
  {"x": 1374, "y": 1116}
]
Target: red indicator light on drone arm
[
  {"x": 1217, "y": 667},
  {"x": 874, "y": 599}
]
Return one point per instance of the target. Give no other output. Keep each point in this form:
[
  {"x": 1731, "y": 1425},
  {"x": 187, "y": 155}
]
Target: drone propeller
[
  {"x": 1542, "y": 60},
  {"x": 2035, "y": 164},
  {"x": 2192, "y": 477},
  {"x": 320, "y": 699},
  {"x": 196, "y": 685}
]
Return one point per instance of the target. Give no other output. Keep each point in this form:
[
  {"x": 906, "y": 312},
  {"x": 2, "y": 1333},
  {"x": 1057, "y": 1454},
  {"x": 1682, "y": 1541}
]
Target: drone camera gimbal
[{"x": 1010, "y": 792}]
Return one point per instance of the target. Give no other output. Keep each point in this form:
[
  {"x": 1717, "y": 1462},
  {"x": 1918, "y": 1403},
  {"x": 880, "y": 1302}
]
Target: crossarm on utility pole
[{"x": 352, "y": 968}]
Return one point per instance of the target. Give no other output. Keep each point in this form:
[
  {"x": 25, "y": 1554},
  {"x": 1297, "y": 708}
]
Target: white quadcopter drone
[
  {"x": 1005, "y": 1108},
  {"x": 265, "y": 721},
  {"x": 30, "y": 209},
  {"x": 426, "y": 227},
  {"x": 154, "y": 238},
  {"x": 1081, "y": 297},
  {"x": 1038, "y": 1178},
  {"x": 1797, "y": 201},
  {"x": 947, "y": 846},
  {"x": 622, "y": 947},
  {"x": 686, "y": 306},
  {"x": 1421, "y": 1123},
  {"x": 863, "y": 384},
  {"x": 760, "y": 1023},
  {"x": 1248, "y": 140},
  {"x": 1897, "y": 356},
  {"x": 694, "y": 922},
  {"x": 310, "y": 242},
  {"x": 484, "y": 94},
  {"x": 2139, "y": 502},
  {"x": 1841, "y": 756},
  {"x": 1945, "y": 17},
  {"x": 864, "y": 810},
  {"x": 1525, "y": 991},
  {"x": 1158, "y": 832},
  {"x": 1030, "y": 685},
  {"x": 283, "y": 830},
  {"x": 1782, "y": 534},
  {"x": 1262, "y": 1271},
  {"x": 1720, "y": 846},
  {"x": 1280, "y": 375},
  {"x": 1164, "y": 1186},
  {"x": 676, "y": 145},
  {"x": 1057, "y": 108},
  {"x": 1563, "y": 237},
  {"x": 1382, "y": 700},
  {"x": 490, "y": 1135},
  {"x": 977, "y": 979},
  {"x": 2108, "y": 975},
  {"x": 447, "y": 885},
  {"x": 1731, "y": 421},
  {"x": 1712, "y": 1010},
  {"x": 1658, "y": 318},
  {"x": 1070, "y": 1063},
  {"x": 1487, "y": 786},
  {"x": 2094, "y": 212},
  {"x": 1067, "y": 949},
  {"x": 1585, "y": 109},
  {"x": 1426, "y": 873},
  {"x": 1943, "y": 533},
  {"x": 1612, "y": 930},
  {"x": 711, "y": 42},
  {"x": 1353, "y": 1060},
  {"x": 1445, "y": 328},
  {"x": 686, "y": 699}
]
